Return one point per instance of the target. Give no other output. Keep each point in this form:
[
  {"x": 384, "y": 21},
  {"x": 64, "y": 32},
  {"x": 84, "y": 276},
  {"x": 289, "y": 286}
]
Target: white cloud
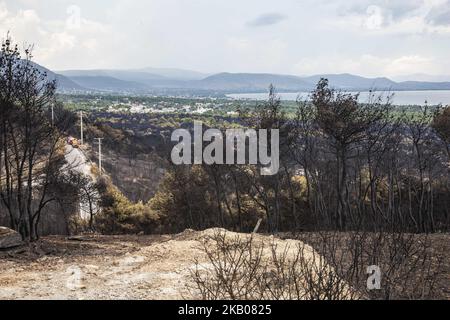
[
  {"x": 367, "y": 37},
  {"x": 3, "y": 11},
  {"x": 371, "y": 65},
  {"x": 375, "y": 18},
  {"x": 55, "y": 41},
  {"x": 257, "y": 55},
  {"x": 396, "y": 17},
  {"x": 267, "y": 19}
]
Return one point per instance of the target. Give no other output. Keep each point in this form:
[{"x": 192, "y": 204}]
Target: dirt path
[
  {"x": 100, "y": 268},
  {"x": 125, "y": 267}
]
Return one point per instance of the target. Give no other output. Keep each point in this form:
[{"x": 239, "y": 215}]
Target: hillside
[
  {"x": 349, "y": 81},
  {"x": 125, "y": 267},
  {"x": 250, "y": 82},
  {"x": 63, "y": 82},
  {"x": 135, "y": 267},
  {"x": 167, "y": 80},
  {"x": 176, "y": 74},
  {"x": 105, "y": 83},
  {"x": 417, "y": 85}
]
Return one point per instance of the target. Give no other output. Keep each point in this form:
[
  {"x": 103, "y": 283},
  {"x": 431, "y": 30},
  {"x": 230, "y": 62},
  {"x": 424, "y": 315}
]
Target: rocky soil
[
  {"x": 102, "y": 267},
  {"x": 125, "y": 267}
]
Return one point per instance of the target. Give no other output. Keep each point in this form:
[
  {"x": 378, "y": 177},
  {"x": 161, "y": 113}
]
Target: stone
[{"x": 9, "y": 238}]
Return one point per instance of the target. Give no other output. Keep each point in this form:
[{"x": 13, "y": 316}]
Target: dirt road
[
  {"x": 100, "y": 267},
  {"x": 122, "y": 267}
]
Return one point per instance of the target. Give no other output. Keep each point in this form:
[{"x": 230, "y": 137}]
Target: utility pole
[
  {"x": 100, "y": 155},
  {"x": 53, "y": 116},
  {"x": 81, "y": 121}
]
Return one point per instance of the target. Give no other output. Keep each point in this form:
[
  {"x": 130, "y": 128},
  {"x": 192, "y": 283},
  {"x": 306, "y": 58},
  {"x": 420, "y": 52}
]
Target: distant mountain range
[
  {"x": 64, "y": 83},
  {"x": 422, "y": 77},
  {"x": 159, "y": 80}
]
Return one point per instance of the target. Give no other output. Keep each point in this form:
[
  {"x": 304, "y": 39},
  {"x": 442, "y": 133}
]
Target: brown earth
[
  {"x": 120, "y": 267},
  {"x": 106, "y": 267}
]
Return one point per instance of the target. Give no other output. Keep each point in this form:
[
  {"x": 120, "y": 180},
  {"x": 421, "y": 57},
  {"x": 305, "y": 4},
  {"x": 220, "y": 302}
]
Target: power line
[{"x": 100, "y": 155}]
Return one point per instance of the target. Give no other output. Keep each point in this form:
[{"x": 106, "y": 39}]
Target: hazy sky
[{"x": 303, "y": 37}]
